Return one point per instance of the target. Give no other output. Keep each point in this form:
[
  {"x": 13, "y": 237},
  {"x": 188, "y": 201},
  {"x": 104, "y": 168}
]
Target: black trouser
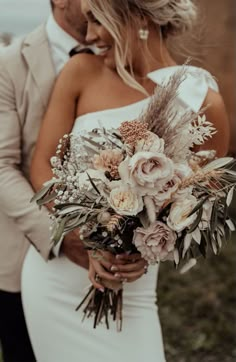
[{"x": 14, "y": 337}]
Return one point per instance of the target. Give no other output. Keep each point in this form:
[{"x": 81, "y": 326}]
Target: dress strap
[{"x": 193, "y": 90}]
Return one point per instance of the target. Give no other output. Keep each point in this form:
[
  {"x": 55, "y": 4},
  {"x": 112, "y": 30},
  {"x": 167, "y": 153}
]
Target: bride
[{"x": 131, "y": 36}]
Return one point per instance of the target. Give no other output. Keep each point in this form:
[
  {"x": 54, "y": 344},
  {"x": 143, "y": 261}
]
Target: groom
[{"x": 28, "y": 70}]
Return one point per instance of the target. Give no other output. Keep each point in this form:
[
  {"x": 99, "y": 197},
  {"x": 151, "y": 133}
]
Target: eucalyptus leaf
[
  {"x": 70, "y": 209},
  {"x": 214, "y": 246},
  {"x": 196, "y": 234},
  {"x": 41, "y": 193},
  {"x": 230, "y": 224},
  {"x": 190, "y": 264},
  {"x": 230, "y": 172},
  {"x": 220, "y": 229},
  {"x": 60, "y": 230},
  {"x": 196, "y": 221},
  {"x": 96, "y": 144},
  {"x": 47, "y": 199},
  {"x": 214, "y": 216},
  {"x": 230, "y": 196},
  {"x": 115, "y": 144},
  {"x": 187, "y": 243},
  {"x": 225, "y": 210},
  {"x": 218, "y": 163},
  {"x": 93, "y": 184},
  {"x": 219, "y": 239},
  {"x": 199, "y": 205},
  {"x": 66, "y": 204},
  {"x": 204, "y": 244}
]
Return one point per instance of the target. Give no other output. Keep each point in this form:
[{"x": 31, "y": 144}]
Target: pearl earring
[{"x": 143, "y": 34}]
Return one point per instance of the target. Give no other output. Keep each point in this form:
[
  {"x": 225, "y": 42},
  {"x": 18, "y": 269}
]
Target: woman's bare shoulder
[{"x": 83, "y": 67}]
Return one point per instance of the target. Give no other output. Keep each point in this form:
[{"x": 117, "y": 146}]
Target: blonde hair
[{"x": 171, "y": 18}]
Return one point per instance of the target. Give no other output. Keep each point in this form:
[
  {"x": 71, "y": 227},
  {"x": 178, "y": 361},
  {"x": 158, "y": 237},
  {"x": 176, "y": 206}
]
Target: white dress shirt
[{"x": 61, "y": 43}]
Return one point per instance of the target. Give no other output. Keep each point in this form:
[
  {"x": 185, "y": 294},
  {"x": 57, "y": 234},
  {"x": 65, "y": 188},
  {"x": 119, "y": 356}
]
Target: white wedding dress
[{"x": 51, "y": 291}]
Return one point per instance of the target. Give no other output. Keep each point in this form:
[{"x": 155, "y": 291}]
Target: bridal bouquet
[{"x": 140, "y": 188}]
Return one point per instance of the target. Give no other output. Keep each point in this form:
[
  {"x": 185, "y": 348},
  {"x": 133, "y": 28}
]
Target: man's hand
[{"x": 73, "y": 248}]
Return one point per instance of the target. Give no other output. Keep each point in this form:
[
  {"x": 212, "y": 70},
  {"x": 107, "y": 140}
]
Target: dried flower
[
  {"x": 108, "y": 160},
  {"x": 104, "y": 217},
  {"x": 132, "y": 131},
  {"x": 114, "y": 224}
]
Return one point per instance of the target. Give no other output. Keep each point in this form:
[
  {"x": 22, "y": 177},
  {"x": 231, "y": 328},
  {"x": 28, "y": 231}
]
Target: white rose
[
  {"x": 125, "y": 201},
  {"x": 147, "y": 171},
  {"x": 152, "y": 143},
  {"x": 178, "y": 218}
]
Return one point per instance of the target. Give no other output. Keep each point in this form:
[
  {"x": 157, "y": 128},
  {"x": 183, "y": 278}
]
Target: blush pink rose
[
  {"x": 147, "y": 171},
  {"x": 155, "y": 243}
]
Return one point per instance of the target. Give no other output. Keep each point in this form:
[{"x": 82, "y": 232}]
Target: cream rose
[
  {"x": 155, "y": 243},
  {"x": 178, "y": 218},
  {"x": 125, "y": 201},
  {"x": 147, "y": 171},
  {"x": 152, "y": 143}
]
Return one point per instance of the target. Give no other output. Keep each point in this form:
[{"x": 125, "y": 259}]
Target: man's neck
[{"x": 66, "y": 27}]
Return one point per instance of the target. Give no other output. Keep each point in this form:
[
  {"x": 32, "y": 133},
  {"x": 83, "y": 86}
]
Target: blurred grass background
[{"x": 197, "y": 309}]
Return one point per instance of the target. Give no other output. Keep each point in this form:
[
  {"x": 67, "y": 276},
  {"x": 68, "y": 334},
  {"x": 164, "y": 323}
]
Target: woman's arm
[
  {"x": 216, "y": 114},
  {"x": 59, "y": 118}
]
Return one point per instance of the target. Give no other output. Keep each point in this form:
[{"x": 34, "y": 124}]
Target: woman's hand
[{"x": 110, "y": 268}]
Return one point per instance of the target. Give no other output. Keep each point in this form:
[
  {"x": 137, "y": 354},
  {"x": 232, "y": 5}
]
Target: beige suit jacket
[{"x": 27, "y": 77}]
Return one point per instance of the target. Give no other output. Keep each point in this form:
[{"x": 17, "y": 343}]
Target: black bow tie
[{"x": 79, "y": 49}]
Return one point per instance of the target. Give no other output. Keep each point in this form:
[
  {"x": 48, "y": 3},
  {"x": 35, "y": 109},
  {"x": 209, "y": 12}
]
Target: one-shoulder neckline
[
  {"x": 150, "y": 75},
  {"x": 109, "y": 110}
]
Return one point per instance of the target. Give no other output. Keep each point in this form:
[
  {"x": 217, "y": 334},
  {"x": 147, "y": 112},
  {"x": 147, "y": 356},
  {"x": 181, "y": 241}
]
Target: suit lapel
[{"x": 37, "y": 54}]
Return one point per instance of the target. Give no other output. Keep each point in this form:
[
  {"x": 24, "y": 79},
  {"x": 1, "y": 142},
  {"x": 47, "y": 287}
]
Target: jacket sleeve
[{"x": 15, "y": 189}]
